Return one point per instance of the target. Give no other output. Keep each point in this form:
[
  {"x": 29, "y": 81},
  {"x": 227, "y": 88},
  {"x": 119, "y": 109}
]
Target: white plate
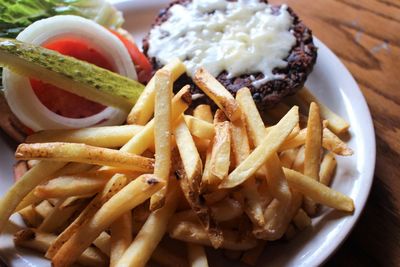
[{"x": 334, "y": 86}]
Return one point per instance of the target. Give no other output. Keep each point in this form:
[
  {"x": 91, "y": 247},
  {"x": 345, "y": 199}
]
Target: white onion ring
[{"x": 18, "y": 91}]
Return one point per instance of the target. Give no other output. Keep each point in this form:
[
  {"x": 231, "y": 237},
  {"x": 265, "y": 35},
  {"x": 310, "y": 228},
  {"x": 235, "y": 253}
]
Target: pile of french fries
[{"x": 122, "y": 195}]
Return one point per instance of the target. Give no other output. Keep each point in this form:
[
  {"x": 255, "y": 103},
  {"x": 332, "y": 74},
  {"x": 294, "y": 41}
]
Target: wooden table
[{"x": 366, "y": 37}]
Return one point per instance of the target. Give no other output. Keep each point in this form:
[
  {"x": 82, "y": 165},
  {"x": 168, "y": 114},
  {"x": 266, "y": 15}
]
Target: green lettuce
[{"x": 16, "y": 15}]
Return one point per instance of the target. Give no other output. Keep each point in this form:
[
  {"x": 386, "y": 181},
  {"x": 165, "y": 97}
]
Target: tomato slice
[
  {"x": 143, "y": 67},
  {"x": 60, "y": 101}
]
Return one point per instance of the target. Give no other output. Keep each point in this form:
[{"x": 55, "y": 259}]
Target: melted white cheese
[{"x": 240, "y": 37}]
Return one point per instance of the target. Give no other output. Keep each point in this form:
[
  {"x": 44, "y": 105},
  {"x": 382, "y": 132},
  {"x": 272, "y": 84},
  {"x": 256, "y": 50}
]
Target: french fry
[
  {"x": 30, "y": 217},
  {"x": 57, "y": 218},
  {"x": 217, "y": 92},
  {"x": 203, "y": 112},
  {"x": 126, "y": 199},
  {"x": 20, "y": 168},
  {"x": 71, "y": 152},
  {"x": 215, "y": 196},
  {"x": 330, "y": 141},
  {"x": 23, "y": 186},
  {"x": 168, "y": 259},
  {"x": 251, "y": 256},
  {"x": 145, "y": 138},
  {"x": 44, "y": 208},
  {"x": 227, "y": 209},
  {"x": 287, "y": 157},
  {"x": 68, "y": 169},
  {"x": 255, "y": 126},
  {"x": 312, "y": 152},
  {"x": 144, "y": 107},
  {"x": 114, "y": 185},
  {"x": 208, "y": 177},
  {"x": 241, "y": 150},
  {"x": 76, "y": 185},
  {"x": 103, "y": 243},
  {"x": 319, "y": 192},
  {"x": 301, "y": 220},
  {"x": 278, "y": 216},
  {"x": 333, "y": 143},
  {"x": 146, "y": 241},
  {"x": 336, "y": 123},
  {"x": 199, "y": 128},
  {"x": 221, "y": 150},
  {"x": 196, "y": 255},
  {"x": 193, "y": 198},
  {"x": 194, "y": 233},
  {"x": 121, "y": 237},
  {"x": 162, "y": 134},
  {"x": 106, "y": 136},
  {"x": 190, "y": 156},
  {"x": 298, "y": 164},
  {"x": 36, "y": 240},
  {"x": 264, "y": 151},
  {"x": 327, "y": 169}
]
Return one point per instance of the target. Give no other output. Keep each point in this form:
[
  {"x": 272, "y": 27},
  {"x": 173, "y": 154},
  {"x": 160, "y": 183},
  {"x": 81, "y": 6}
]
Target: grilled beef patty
[{"x": 301, "y": 60}]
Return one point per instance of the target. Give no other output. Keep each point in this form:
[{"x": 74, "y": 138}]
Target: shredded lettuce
[{"x": 16, "y": 15}]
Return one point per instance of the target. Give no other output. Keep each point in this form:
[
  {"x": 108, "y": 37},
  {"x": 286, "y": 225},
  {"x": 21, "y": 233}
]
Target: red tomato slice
[
  {"x": 142, "y": 65},
  {"x": 60, "y": 101}
]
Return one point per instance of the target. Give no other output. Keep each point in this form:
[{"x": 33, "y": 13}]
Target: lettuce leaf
[{"x": 16, "y": 15}]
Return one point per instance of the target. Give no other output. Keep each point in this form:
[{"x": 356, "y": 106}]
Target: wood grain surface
[{"x": 366, "y": 36}]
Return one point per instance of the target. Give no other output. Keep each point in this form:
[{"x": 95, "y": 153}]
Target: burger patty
[{"x": 300, "y": 62}]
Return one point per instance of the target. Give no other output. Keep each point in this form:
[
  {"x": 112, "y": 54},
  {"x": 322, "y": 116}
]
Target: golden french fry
[
  {"x": 146, "y": 241},
  {"x": 318, "y": 192},
  {"x": 23, "y": 186},
  {"x": 193, "y": 198},
  {"x": 255, "y": 126},
  {"x": 106, "y": 136},
  {"x": 218, "y": 93},
  {"x": 199, "y": 127},
  {"x": 196, "y": 255},
  {"x": 57, "y": 218},
  {"x": 327, "y": 169},
  {"x": 312, "y": 152},
  {"x": 189, "y": 155},
  {"x": 287, "y": 157},
  {"x": 135, "y": 193},
  {"x": 298, "y": 164},
  {"x": 162, "y": 133},
  {"x": 74, "y": 185},
  {"x": 264, "y": 151},
  {"x": 301, "y": 220},
  {"x": 103, "y": 243},
  {"x": 71, "y": 152},
  {"x": 336, "y": 123},
  {"x": 221, "y": 150},
  {"x": 241, "y": 150},
  {"x": 114, "y": 185},
  {"x": 215, "y": 196},
  {"x": 278, "y": 216},
  {"x": 251, "y": 256},
  {"x": 226, "y": 209},
  {"x": 333, "y": 143},
  {"x": 36, "y": 240},
  {"x": 121, "y": 237},
  {"x": 203, "y": 112},
  {"x": 208, "y": 177},
  {"x": 44, "y": 208},
  {"x": 294, "y": 142},
  {"x": 145, "y": 138},
  {"x": 194, "y": 233},
  {"x": 144, "y": 107},
  {"x": 30, "y": 217}
]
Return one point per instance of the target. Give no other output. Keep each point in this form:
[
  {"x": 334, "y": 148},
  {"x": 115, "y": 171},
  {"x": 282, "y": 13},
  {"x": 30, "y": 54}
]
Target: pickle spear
[{"x": 70, "y": 74}]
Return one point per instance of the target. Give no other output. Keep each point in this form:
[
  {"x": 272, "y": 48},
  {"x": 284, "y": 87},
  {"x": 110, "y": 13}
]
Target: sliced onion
[{"x": 18, "y": 91}]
